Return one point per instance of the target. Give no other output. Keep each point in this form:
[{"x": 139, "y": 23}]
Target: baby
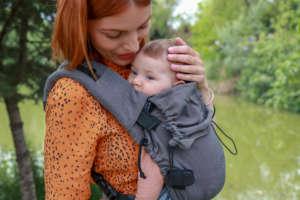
[
  {"x": 150, "y": 71},
  {"x": 151, "y": 74}
]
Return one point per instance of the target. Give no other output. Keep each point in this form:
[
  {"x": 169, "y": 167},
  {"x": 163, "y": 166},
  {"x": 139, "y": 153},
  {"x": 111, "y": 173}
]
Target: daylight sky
[{"x": 187, "y": 6}]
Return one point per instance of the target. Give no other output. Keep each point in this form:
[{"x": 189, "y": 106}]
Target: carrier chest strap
[
  {"x": 108, "y": 189},
  {"x": 145, "y": 119}
]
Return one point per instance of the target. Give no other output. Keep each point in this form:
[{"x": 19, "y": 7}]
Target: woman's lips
[{"x": 127, "y": 56}]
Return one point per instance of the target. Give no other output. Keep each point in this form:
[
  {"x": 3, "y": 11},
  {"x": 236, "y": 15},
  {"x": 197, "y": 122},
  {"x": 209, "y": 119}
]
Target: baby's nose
[{"x": 137, "y": 81}]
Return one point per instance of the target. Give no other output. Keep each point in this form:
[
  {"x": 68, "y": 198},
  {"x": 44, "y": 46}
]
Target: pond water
[{"x": 266, "y": 168}]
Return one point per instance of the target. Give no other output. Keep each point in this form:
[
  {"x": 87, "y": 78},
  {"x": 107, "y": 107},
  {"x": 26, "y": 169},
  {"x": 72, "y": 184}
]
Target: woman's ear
[{"x": 179, "y": 82}]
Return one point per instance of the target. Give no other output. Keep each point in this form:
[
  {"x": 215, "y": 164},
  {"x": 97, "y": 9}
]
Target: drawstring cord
[
  {"x": 226, "y": 135},
  {"x": 171, "y": 157},
  {"x": 142, "y": 143},
  {"x": 235, "y": 148}
]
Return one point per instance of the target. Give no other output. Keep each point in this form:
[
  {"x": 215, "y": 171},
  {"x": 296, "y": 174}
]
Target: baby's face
[{"x": 151, "y": 76}]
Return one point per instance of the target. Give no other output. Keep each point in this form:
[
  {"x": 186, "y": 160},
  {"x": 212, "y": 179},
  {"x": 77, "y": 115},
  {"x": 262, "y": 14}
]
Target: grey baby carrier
[{"x": 174, "y": 126}]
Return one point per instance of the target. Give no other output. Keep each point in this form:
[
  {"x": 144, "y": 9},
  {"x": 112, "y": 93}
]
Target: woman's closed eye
[
  {"x": 112, "y": 34},
  {"x": 144, "y": 26}
]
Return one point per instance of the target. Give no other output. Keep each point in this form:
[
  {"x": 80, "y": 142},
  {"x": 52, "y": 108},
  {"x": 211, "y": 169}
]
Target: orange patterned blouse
[{"x": 82, "y": 135}]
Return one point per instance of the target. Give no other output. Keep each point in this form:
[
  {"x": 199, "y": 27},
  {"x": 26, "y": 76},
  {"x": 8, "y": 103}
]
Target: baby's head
[{"x": 150, "y": 70}]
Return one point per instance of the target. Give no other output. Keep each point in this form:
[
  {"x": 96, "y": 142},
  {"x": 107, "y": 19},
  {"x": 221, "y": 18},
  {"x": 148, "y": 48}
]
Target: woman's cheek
[{"x": 105, "y": 44}]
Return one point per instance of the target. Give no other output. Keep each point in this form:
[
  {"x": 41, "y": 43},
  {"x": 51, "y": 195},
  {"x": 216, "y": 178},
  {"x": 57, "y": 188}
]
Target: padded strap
[
  {"x": 111, "y": 90},
  {"x": 120, "y": 98}
]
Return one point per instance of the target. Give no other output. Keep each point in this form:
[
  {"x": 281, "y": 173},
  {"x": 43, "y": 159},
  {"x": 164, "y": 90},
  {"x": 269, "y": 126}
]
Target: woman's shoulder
[
  {"x": 67, "y": 89},
  {"x": 69, "y": 86}
]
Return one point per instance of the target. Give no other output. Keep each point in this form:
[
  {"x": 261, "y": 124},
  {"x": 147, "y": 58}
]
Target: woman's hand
[
  {"x": 187, "y": 64},
  {"x": 189, "y": 67}
]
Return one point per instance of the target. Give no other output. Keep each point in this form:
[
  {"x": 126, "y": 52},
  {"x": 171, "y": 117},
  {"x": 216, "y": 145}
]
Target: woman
[{"x": 81, "y": 135}]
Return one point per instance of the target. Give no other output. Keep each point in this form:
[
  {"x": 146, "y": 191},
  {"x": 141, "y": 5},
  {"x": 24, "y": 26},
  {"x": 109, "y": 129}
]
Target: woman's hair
[
  {"x": 158, "y": 48},
  {"x": 70, "y": 35}
]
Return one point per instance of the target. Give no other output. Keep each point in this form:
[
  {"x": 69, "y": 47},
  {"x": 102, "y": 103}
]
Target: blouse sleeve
[{"x": 70, "y": 142}]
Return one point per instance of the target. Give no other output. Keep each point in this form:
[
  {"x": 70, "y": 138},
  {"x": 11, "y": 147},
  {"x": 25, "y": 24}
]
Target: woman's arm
[
  {"x": 70, "y": 141},
  {"x": 150, "y": 187},
  {"x": 190, "y": 68}
]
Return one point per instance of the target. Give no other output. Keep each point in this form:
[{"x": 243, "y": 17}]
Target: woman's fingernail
[
  {"x": 170, "y": 49},
  {"x": 171, "y": 56},
  {"x": 174, "y": 67},
  {"x": 179, "y": 76}
]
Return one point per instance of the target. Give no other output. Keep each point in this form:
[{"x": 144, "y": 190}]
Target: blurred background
[{"x": 251, "y": 52}]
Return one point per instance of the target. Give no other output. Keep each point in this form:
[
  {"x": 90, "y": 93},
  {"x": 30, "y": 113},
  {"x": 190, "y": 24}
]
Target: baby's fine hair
[{"x": 158, "y": 48}]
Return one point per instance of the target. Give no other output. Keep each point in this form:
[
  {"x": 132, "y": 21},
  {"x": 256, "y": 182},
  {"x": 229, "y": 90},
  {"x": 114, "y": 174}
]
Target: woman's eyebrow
[{"x": 118, "y": 30}]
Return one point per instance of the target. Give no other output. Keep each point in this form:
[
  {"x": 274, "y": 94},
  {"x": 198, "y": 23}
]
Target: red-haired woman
[{"x": 81, "y": 135}]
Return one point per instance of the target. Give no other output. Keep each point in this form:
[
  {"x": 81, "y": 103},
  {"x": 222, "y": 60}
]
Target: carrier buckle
[{"x": 180, "y": 178}]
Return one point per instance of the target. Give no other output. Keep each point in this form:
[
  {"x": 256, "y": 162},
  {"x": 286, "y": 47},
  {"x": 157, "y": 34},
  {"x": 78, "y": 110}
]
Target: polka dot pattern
[{"x": 82, "y": 135}]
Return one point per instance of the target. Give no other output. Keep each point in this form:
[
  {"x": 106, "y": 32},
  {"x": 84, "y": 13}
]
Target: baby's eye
[
  {"x": 133, "y": 72},
  {"x": 150, "y": 77}
]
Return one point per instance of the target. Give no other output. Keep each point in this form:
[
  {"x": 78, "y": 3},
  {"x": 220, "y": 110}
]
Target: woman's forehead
[{"x": 130, "y": 19}]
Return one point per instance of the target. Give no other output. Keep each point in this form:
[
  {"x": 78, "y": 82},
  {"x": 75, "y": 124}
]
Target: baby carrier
[{"x": 174, "y": 126}]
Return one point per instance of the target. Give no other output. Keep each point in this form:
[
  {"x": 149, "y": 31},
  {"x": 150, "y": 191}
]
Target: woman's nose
[{"x": 131, "y": 42}]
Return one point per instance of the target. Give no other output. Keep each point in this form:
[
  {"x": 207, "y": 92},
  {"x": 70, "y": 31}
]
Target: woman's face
[{"x": 118, "y": 37}]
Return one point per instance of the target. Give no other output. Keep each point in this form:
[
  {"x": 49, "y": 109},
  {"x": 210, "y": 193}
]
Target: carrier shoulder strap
[{"x": 125, "y": 103}]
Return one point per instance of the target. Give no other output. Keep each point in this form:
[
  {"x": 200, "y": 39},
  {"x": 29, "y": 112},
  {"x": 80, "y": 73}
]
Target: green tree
[
  {"x": 212, "y": 15},
  {"x": 255, "y": 42},
  {"x": 272, "y": 71},
  {"x": 162, "y": 19},
  {"x": 25, "y": 28},
  {"x": 237, "y": 37}
]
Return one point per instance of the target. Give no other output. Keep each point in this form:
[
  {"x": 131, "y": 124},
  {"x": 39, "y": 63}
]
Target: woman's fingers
[
  {"x": 180, "y": 41},
  {"x": 191, "y": 77},
  {"x": 188, "y": 69},
  {"x": 189, "y": 72},
  {"x": 184, "y": 59},
  {"x": 183, "y": 48},
  {"x": 187, "y": 63}
]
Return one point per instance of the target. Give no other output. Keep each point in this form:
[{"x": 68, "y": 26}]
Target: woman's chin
[{"x": 123, "y": 62}]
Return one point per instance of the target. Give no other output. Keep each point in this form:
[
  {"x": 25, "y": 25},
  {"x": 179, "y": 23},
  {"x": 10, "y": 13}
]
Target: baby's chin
[
  {"x": 151, "y": 93},
  {"x": 143, "y": 92}
]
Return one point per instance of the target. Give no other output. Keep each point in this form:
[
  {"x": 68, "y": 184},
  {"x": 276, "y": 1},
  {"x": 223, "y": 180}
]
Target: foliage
[
  {"x": 272, "y": 72},
  {"x": 212, "y": 15},
  {"x": 162, "y": 19},
  {"x": 9, "y": 184},
  {"x": 8, "y": 177},
  {"x": 25, "y": 46},
  {"x": 257, "y": 43},
  {"x": 237, "y": 37},
  {"x": 24, "y": 61}
]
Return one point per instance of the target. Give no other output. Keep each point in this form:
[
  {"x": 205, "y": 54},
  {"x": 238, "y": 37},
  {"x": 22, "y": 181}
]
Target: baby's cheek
[{"x": 153, "y": 89}]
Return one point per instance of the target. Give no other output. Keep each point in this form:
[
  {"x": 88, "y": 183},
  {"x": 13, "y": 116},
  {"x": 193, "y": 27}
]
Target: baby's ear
[{"x": 179, "y": 82}]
